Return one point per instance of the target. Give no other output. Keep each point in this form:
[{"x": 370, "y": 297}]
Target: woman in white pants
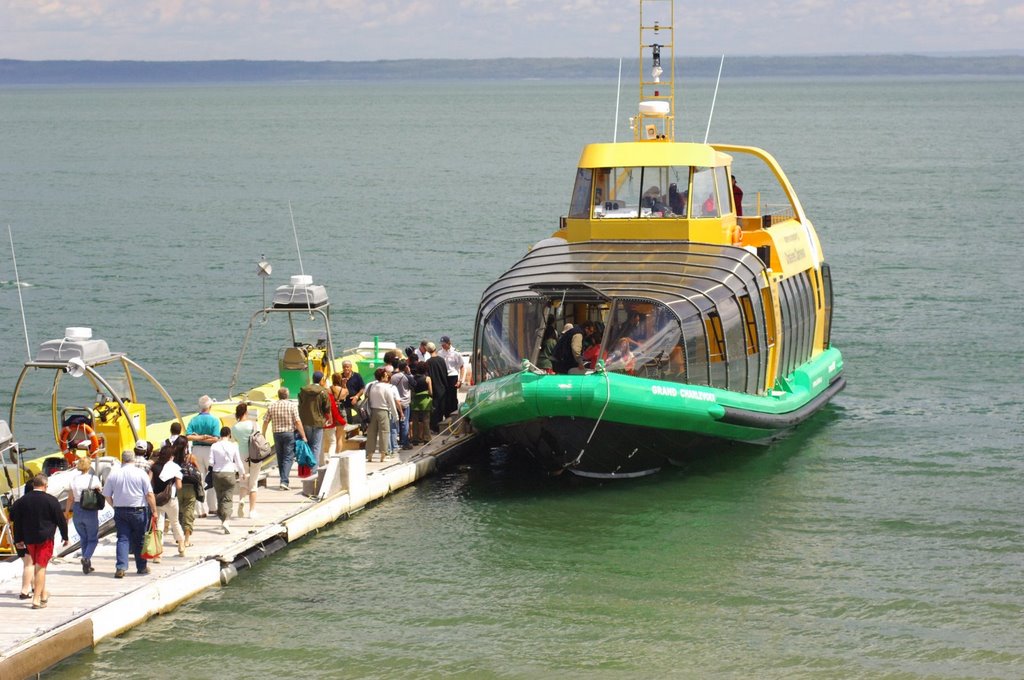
[
  {"x": 167, "y": 473},
  {"x": 241, "y": 432}
]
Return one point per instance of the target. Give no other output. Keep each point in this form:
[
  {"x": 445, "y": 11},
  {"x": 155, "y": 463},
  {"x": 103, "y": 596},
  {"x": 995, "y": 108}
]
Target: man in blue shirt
[
  {"x": 130, "y": 493},
  {"x": 204, "y": 431}
]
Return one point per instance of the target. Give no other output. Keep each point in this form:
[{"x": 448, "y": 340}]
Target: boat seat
[
  {"x": 293, "y": 359},
  {"x": 255, "y": 395}
]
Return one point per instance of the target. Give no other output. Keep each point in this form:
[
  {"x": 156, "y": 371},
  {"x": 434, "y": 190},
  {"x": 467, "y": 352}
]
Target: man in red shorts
[{"x": 36, "y": 517}]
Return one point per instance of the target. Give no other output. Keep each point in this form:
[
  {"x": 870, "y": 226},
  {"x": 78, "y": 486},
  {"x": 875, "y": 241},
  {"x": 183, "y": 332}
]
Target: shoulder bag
[{"x": 92, "y": 499}]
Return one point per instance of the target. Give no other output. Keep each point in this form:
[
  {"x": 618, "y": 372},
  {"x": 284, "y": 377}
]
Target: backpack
[{"x": 259, "y": 448}]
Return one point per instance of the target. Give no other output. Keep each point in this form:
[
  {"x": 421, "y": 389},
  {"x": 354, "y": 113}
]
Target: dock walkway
[{"x": 86, "y": 609}]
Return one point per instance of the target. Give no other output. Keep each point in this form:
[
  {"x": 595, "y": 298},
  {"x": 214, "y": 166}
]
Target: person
[
  {"x": 130, "y": 493},
  {"x": 284, "y": 416},
  {"x": 401, "y": 380},
  {"x": 143, "y": 453},
  {"x": 547, "y": 345},
  {"x": 633, "y": 329},
  {"x": 191, "y": 487},
  {"x": 437, "y": 369},
  {"x": 422, "y": 352},
  {"x": 37, "y": 517},
  {"x": 334, "y": 431},
  {"x": 202, "y": 432},
  {"x": 315, "y": 411},
  {"x": 421, "y": 405},
  {"x": 354, "y": 383},
  {"x": 242, "y": 432},
  {"x": 175, "y": 434},
  {"x": 708, "y": 206},
  {"x": 623, "y": 355},
  {"x": 456, "y": 372},
  {"x": 383, "y": 407},
  {"x": 677, "y": 200},
  {"x": 167, "y": 473},
  {"x": 86, "y": 522},
  {"x": 227, "y": 466},
  {"x": 568, "y": 352},
  {"x": 737, "y": 196},
  {"x": 652, "y": 200}
]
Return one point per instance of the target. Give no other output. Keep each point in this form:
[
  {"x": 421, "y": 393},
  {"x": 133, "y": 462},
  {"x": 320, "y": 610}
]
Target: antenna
[
  {"x": 618, "y": 97},
  {"x": 21, "y": 304},
  {"x": 263, "y": 270},
  {"x": 295, "y": 232},
  {"x": 714, "y": 98},
  {"x": 309, "y": 301}
]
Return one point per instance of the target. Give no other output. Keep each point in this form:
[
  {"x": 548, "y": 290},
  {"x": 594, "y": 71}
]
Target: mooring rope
[{"x": 607, "y": 400}]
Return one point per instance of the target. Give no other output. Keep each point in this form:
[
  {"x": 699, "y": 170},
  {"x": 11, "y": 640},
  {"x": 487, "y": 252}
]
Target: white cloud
[{"x": 390, "y": 29}]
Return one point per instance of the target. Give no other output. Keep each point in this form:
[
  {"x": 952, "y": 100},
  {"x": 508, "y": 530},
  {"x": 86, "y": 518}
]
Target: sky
[{"x": 357, "y": 30}]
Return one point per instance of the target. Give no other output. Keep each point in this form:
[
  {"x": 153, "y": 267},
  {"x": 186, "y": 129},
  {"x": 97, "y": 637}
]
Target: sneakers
[
  {"x": 241, "y": 511},
  {"x": 253, "y": 514},
  {"x": 142, "y": 572},
  {"x": 225, "y": 527},
  {"x": 119, "y": 573},
  {"x": 283, "y": 487}
]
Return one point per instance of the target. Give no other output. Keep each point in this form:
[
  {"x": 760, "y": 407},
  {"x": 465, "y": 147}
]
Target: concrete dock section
[{"x": 85, "y": 609}]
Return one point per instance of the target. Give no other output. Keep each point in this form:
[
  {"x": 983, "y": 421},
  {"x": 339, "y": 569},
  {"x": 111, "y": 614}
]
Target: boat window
[
  {"x": 580, "y": 207},
  {"x": 826, "y": 281},
  {"x": 724, "y": 190},
  {"x": 735, "y": 344},
  {"x": 695, "y": 352},
  {"x": 510, "y": 334},
  {"x": 704, "y": 203},
  {"x": 518, "y": 329},
  {"x": 642, "y": 339},
  {"x": 641, "y": 192}
]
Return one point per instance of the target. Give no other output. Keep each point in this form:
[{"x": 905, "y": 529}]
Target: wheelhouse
[{"x": 686, "y": 312}]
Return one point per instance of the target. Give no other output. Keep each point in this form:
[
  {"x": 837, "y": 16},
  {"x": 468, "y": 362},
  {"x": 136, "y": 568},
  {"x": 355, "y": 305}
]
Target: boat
[
  {"x": 99, "y": 416},
  {"x": 308, "y": 351},
  {"x": 711, "y": 324}
]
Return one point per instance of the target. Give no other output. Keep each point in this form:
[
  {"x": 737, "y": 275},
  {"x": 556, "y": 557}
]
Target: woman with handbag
[
  {"x": 422, "y": 404},
  {"x": 167, "y": 477},
  {"x": 242, "y": 432},
  {"x": 85, "y": 499},
  {"x": 334, "y": 432},
  {"x": 192, "y": 487}
]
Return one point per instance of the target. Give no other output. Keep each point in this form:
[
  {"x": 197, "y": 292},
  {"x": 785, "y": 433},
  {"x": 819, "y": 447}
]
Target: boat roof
[
  {"x": 682, "y": 275},
  {"x": 651, "y": 154}
]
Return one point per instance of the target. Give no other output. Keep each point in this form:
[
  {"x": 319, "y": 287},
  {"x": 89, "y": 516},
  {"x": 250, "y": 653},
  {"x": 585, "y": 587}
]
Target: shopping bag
[{"x": 153, "y": 541}]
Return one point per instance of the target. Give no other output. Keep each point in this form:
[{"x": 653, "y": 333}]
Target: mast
[{"x": 656, "y": 117}]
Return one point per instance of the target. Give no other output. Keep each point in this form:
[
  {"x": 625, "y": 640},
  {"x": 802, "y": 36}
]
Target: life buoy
[
  {"x": 74, "y": 430},
  {"x": 737, "y": 234}
]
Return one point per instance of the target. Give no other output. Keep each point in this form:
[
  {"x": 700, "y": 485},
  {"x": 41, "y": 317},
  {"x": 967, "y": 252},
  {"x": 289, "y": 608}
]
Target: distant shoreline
[{"x": 21, "y": 72}]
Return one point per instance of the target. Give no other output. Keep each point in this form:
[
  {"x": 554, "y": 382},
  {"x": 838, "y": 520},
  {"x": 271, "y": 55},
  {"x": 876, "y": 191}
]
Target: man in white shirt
[
  {"x": 130, "y": 493},
  {"x": 422, "y": 353},
  {"x": 456, "y": 372}
]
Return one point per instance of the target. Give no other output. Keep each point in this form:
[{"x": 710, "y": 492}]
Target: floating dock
[{"x": 84, "y": 609}]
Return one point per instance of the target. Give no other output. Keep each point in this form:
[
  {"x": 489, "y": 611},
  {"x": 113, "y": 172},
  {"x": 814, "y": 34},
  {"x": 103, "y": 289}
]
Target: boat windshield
[
  {"x": 644, "y": 338},
  {"x": 528, "y": 329},
  {"x": 632, "y": 192}
]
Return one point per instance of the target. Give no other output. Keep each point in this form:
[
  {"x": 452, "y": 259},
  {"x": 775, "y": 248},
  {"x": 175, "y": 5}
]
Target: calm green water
[{"x": 883, "y": 539}]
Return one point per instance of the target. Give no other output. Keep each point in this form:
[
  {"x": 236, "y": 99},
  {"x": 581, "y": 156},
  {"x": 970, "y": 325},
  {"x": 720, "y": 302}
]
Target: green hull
[{"x": 547, "y": 414}]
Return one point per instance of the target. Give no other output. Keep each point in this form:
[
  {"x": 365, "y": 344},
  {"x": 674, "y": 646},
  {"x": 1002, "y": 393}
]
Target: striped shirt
[{"x": 282, "y": 415}]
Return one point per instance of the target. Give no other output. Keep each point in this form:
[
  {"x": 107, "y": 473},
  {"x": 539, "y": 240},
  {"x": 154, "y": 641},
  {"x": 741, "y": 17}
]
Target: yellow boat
[{"x": 703, "y": 322}]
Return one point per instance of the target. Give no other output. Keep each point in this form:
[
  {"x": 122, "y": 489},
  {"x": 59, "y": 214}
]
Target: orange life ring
[{"x": 69, "y": 430}]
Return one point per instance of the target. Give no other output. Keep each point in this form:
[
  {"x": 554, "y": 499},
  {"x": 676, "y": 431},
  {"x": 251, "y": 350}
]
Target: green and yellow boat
[{"x": 710, "y": 323}]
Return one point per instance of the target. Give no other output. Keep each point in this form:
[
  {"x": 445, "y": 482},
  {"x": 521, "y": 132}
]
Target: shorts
[{"x": 40, "y": 552}]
